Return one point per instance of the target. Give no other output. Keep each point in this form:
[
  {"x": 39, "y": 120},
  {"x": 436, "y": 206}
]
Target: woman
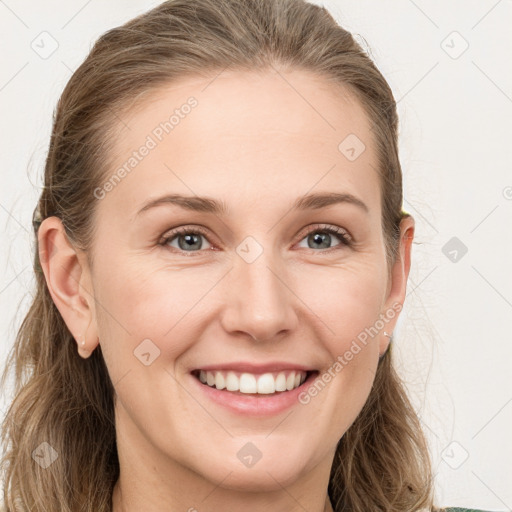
[{"x": 222, "y": 258}]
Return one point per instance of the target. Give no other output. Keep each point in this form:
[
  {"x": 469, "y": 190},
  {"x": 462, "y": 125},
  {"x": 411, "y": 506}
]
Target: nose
[{"x": 258, "y": 300}]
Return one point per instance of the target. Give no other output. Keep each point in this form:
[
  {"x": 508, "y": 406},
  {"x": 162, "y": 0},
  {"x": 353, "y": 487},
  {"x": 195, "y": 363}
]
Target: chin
[
  {"x": 270, "y": 473},
  {"x": 261, "y": 480}
]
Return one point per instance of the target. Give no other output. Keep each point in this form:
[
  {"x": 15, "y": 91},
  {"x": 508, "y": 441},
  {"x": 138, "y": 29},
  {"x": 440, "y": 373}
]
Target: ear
[
  {"x": 397, "y": 283},
  {"x": 68, "y": 279}
]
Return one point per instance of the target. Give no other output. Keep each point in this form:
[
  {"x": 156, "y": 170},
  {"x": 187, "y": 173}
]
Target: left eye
[
  {"x": 189, "y": 239},
  {"x": 322, "y": 235}
]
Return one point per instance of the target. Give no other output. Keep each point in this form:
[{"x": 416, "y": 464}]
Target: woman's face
[{"x": 254, "y": 281}]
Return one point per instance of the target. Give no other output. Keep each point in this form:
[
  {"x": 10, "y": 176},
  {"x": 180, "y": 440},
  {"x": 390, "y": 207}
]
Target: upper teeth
[{"x": 266, "y": 383}]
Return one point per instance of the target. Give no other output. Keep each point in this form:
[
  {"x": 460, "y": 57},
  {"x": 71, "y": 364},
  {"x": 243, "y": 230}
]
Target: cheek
[
  {"x": 146, "y": 299},
  {"x": 347, "y": 299},
  {"x": 144, "y": 302},
  {"x": 141, "y": 300},
  {"x": 349, "y": 304}
]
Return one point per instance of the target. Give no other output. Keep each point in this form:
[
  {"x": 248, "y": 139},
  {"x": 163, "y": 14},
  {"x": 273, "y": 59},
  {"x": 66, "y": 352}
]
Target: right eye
[{"x": 186, "y": 238}]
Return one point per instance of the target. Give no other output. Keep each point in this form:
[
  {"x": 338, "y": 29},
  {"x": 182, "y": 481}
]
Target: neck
[{"x": 118, "y": 503}]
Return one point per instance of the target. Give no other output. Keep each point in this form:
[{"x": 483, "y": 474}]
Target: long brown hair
[{"x": 382, "y": 462}]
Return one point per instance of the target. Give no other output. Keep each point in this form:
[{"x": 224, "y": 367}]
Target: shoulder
[
  {"x": 461, "y": 509},
  {"x": 447, "y": 509}
]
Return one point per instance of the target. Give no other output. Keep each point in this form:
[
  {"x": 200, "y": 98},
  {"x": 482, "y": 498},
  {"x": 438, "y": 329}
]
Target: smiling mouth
[{"x": 244, "y": 383}]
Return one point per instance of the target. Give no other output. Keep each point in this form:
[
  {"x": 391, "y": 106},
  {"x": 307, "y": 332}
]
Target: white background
[{"x": 454, "y": 343}]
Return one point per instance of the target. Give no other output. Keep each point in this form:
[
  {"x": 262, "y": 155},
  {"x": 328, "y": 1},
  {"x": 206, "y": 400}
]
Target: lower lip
[{"x": 255, "y": 405}]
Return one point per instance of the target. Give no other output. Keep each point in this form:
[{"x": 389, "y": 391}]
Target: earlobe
[{"x": 68, "y": 283}]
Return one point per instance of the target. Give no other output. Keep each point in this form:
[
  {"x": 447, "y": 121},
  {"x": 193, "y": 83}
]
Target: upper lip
[{"x": 243, "y": 366}]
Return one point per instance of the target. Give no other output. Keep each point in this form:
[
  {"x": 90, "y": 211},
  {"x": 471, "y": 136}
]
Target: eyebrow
[{"x": 210, "y": 205}]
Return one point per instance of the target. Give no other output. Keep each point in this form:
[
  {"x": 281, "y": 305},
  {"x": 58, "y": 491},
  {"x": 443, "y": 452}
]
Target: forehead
[{"x": 237, "y": 135}]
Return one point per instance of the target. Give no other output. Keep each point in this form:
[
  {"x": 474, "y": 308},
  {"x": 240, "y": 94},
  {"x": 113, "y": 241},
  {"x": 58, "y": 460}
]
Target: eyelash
[{"x": 345, "y": 238}]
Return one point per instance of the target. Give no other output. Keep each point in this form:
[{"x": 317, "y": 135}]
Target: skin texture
[{"x": 255, "y": 143}]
